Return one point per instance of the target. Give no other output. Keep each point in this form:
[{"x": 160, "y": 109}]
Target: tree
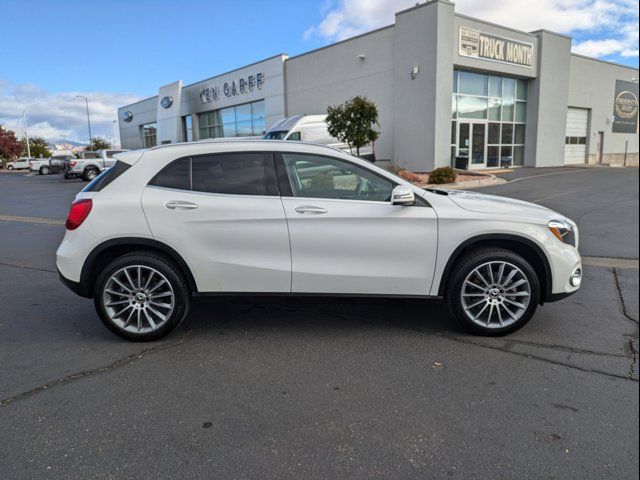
[
  {"x": 10, "y": 146},
  {"x": 37, "y": 146},
  {"x": 98, "y": 143},
  {"x": 353, "y": 122}
]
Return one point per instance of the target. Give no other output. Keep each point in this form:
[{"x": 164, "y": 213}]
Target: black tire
[
  {"x": 44, "y": 170},
  {"x": 10, "y": 167},
  {"x": 90, "y": 174},
  {"x": 465, "y": 266},
  {"x": 182, "y": 295}
]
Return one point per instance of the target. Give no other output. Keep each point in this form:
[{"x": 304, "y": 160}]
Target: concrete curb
[
  {"x": 483, "y": 182},
  {"x": 488, "y": 180}
]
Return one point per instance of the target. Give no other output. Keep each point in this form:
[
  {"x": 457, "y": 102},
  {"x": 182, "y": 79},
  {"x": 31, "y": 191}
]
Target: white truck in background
[
  {"x": 47, "y": 166},
  {"x": 90, "y": 168},
  {"x": 313, "y": 129}
]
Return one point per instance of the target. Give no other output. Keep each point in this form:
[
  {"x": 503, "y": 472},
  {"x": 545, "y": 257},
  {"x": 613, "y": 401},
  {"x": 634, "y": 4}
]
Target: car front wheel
[
  {"x": 493, "y": 291},
  {"x": 10, "y": 167},
  {"x": 44, "y": 171},
  {"x": 141, "y": 297}
]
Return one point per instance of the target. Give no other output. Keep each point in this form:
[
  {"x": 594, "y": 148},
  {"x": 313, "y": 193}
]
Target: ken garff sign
[
  {"x": 625, "y": 108},
  {"x": 492, "y": 47},
  {"x": 230, "y": 89}
]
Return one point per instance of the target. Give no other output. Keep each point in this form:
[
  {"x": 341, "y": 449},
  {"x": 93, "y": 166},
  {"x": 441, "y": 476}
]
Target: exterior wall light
[
  {"x": 361, "y": 57},
  {"x": 414, "y": 72}
]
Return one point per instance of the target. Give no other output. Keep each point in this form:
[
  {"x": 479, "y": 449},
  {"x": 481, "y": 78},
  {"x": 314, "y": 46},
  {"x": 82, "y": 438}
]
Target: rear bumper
[{"x": 79, "y": 288}]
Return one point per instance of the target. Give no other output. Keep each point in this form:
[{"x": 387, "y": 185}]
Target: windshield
[{"x": 276, "y": 135}]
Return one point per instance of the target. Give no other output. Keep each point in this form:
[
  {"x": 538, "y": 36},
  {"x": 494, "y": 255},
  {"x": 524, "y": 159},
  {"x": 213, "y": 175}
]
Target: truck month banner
[
  {"x": 625, "y": 108},
  {"x": 492, "y": 47}
]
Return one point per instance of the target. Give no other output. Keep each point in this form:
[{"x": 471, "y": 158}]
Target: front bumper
[{"x": 564, "y": 260}]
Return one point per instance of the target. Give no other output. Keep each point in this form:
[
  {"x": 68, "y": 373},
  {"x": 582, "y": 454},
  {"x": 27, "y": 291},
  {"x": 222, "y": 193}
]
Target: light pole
[
  {"x": 88, "y": 120},
  {"x": 26, "y": 134},
  {"x": 115, "y": 136}
]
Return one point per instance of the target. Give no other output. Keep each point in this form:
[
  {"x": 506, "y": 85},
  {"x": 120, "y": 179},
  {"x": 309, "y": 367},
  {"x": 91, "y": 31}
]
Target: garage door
[{"x": 575, "y": 148}]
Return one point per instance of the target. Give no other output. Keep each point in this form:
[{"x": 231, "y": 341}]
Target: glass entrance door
[{"x": 472, "y": 142}]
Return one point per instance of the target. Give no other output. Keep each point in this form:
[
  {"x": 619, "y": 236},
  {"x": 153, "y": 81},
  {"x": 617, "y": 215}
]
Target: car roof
[{"x": 269, "y": 145}]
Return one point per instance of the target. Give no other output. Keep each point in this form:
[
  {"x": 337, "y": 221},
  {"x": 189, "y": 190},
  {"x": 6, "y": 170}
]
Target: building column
[
  {"x": 547, "y": 100},
  {"x": 423, "y": 65}
]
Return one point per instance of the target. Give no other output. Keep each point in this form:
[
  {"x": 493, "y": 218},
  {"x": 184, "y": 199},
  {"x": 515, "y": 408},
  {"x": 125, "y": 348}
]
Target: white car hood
[{"x": 481, "y": 203}]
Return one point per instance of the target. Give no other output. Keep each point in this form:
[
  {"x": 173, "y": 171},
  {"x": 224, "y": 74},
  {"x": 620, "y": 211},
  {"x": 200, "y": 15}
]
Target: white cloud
[
  {"x": 57, "y": 115},
  {"x": 604, "y": 48},
  {"x": 615, "y": 20}
]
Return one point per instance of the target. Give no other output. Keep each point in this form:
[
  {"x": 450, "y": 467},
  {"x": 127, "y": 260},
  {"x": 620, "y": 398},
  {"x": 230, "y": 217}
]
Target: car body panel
[
  {"x": 233, "y": 243},
  {"x": 374, "y": 247}
]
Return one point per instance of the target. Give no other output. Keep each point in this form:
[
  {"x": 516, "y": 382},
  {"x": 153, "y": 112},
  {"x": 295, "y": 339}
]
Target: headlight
[{"x": 563, "y": 231}]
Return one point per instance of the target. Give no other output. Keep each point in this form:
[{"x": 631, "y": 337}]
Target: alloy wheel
[
  {"x": 138, "y": 299},
  {"x": 495, "y": 294}
]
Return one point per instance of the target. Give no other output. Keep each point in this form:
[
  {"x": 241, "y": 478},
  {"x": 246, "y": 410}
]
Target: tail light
[
  {"x": 78, "y": 213},
  {"x": 72, "y": 164}
]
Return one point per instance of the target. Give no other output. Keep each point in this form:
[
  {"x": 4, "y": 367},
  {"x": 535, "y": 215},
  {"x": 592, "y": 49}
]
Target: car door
[
  {"x": 346, "y": 236},
  {"x": 222, "y": 213}
]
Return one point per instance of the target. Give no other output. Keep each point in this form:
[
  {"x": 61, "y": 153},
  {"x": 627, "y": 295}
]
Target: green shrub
[{"x": 443, "y": 175}]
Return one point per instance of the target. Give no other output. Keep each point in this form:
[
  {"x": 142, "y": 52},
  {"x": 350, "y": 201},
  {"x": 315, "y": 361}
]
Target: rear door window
[
  {"x": 251, "y": 173},
  {"x": 235, "y": 173},
  {"x": 175, "y": 175}
]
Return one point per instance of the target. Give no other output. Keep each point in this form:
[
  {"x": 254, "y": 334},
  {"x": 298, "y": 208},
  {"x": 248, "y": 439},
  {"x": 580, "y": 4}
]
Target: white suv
[{"x": 264, "y": 217}]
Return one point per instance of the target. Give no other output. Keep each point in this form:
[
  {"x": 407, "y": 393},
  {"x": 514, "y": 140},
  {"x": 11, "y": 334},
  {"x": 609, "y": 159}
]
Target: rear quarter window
[{"x": 106, "y": 177}]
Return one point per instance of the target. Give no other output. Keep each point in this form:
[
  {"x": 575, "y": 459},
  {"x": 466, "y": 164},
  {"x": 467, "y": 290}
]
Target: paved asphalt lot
[{"x": 306, "y": 389}]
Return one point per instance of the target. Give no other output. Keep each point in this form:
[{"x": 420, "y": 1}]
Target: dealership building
[{"x": 447, "y": 87}]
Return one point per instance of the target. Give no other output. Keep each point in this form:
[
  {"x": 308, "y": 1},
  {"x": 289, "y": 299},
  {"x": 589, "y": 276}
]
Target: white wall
[
  {"x": 592, "y": 85},
  {"x": 332, "y": 75},
  {"x": 144, "y": 112}
]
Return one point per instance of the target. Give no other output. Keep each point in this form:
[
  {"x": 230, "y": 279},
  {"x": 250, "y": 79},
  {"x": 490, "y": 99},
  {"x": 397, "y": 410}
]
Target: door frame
[
  {"x": 472, "y": 122},
  {"x": 599, "y": 146}
]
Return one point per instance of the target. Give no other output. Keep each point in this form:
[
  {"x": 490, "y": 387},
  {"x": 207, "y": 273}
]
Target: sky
[{"x": 116, "y": 52}]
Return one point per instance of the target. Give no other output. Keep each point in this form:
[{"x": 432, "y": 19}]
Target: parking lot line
[
  {"x": 610, "y": 262},
  {"x": 14, "y": 218}
]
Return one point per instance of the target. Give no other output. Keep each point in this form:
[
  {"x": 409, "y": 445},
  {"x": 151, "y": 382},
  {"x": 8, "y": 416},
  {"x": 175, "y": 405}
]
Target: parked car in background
[
  {"x": 272, "y": 217},
  {"x": 312, "y": 129},
  {"x": 21, "y": 163},
  {"x": 89, "y": 168}
]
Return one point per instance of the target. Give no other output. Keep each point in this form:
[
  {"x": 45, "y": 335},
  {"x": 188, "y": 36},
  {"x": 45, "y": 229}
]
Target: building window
[
  {"x": 187, "y": 129},
  {"x": 239, "y": 121},
  {"x": 149, "y": 135},
  {"x": 498, "y": 102}
]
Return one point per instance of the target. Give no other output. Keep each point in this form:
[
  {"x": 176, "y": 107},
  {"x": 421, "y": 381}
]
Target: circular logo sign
[
  {"x": 127, "y": 116},
  {"x": 166, "y": 102},
  {"x": 626, "y": 104}
]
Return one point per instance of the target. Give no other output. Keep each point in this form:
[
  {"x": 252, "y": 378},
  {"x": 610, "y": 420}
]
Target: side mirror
[{"x": 403, "y": 195}]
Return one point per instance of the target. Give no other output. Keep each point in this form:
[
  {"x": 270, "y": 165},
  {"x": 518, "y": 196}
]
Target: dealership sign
[
  {"x": 492, "y": 47},
  {"x": 233, "y": 88},
  {"x": 625, "y": 108}
]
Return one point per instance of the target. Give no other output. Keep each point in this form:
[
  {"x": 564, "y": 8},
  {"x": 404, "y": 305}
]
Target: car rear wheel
[
  {"x": 90, "y": 174},
  {"x": 493, "y": 292},
  {"x": 10, "y": 167},
  {"x": 141, "y": 297},
  {"x": 44, "y": 170}
]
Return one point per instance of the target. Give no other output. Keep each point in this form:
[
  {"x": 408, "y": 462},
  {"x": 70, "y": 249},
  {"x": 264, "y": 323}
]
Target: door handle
[
  {"x": 303, "y": 209},
  {"x": 180, "y": 205}
]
